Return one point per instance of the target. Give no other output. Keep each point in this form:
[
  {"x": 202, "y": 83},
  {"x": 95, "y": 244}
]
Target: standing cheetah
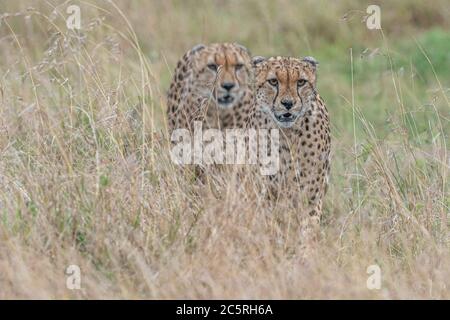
[
  {"x": 286, "y": 98},
  {"x": 210, "y": 84}
]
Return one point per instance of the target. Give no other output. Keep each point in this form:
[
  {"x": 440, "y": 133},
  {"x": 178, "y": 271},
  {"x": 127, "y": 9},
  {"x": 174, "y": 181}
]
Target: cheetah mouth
[
  {"x": 286, "y": 117},
  {"x": 225, "y": 100}
]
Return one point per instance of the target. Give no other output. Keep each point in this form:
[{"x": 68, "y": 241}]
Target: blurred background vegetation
[{"x": 412, "y": 49}]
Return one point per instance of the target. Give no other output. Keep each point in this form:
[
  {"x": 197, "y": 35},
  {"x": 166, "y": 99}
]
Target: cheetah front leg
[{"x": 310, "y": 223}]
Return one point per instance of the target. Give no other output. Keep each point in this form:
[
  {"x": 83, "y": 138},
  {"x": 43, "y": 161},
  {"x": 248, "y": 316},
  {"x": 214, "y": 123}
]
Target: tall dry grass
[{"x": 85, "y": 176}]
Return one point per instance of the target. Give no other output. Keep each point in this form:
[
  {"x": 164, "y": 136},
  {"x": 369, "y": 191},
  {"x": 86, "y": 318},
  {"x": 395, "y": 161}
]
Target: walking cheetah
[
  {"x": 286, "y": 98},
  {"x": 210, "y": 84}
]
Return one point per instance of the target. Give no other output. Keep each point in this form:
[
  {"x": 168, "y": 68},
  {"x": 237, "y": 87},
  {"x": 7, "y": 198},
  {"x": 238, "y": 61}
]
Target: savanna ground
[{"x": 85, "y": 176}]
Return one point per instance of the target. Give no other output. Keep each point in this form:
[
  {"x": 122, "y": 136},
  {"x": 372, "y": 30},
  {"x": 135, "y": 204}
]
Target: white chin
[
  {"x": 226, "y": 102},
  {"x": 225, "y": 105},
  {"x": 285, "y": 124}
]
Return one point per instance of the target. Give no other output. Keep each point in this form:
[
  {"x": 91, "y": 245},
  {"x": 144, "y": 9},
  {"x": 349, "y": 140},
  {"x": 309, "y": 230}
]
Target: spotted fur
[
  {"x": 286, "y": 98},
  {"x": 210, "y": 84}
]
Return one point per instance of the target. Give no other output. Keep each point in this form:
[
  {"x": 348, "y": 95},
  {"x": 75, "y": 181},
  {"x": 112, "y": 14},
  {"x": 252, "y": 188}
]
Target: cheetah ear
[
  {"x": 197, "y": 48},
  {"x": 257, "y": 60},
  {"x": 312, "y": 61}
]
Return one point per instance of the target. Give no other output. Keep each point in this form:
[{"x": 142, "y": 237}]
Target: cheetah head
[
  {"x": 222, "y": 72},
  {"x": 285, "y": 87}
]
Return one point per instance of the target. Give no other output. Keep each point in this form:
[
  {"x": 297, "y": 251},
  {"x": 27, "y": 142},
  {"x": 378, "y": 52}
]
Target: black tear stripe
[
  {"x": 276, "y": 96},
  {"x": 235, "y": 71},
  {"x": 218, "y": 71},
  {"x": 299, "y": 96},
  {"x": 312, "y": 88}
]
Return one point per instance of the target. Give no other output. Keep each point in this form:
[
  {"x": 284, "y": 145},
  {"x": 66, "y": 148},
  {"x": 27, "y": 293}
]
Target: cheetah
[
  {"x": 286, "y": 98},
  {"x": 212, "y": 84}
]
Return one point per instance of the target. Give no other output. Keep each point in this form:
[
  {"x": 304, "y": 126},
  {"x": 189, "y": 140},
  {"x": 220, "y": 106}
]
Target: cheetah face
[
  {"x": 222, "y": 72},
  {"x": 285, "y": 87}
]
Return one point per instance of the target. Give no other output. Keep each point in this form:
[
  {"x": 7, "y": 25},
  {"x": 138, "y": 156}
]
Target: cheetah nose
[
  {"x": 287, "y": 103},
  {"x": 228, "y": 85}
]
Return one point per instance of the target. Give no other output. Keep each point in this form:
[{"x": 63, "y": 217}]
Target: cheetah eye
[
  {"x": 273, "y": 82},
  {"x": 212, "y": 66},
  {"x": 301, "y": 82},
  {"x": 238, "y": 66}
]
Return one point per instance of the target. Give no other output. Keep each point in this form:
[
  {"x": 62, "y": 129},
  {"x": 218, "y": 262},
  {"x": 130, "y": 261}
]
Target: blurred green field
[{"x": 85, "y": 177}]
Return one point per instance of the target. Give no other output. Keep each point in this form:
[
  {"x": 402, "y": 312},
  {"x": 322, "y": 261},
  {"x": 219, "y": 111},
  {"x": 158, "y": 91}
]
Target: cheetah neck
[{"x": 233, "y": 117}]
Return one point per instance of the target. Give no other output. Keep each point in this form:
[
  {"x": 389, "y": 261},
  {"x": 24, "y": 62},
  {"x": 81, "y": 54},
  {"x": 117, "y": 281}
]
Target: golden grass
[{"x": 85, "y": 176}]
